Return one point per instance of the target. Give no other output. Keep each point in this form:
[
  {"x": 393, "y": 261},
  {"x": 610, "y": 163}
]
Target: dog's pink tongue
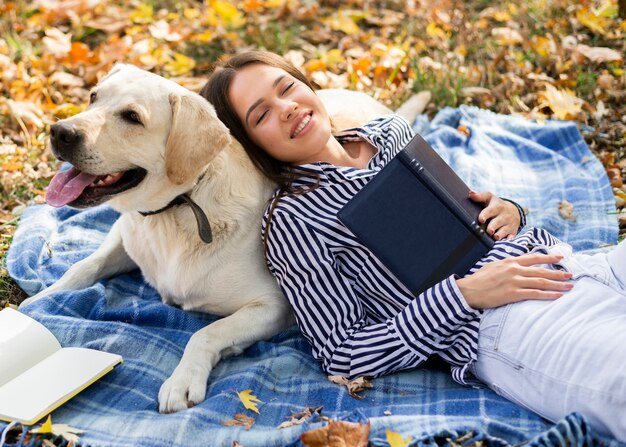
[{"x": 66, "y": 186}]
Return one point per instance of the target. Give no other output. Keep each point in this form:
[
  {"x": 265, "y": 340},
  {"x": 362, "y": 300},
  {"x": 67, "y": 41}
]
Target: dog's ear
[{"x": 195, "y": 138}]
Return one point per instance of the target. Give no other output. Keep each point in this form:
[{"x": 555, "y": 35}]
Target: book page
[
  {"x": 24, "y": 342},
  {"x": 52, "y": 382}
]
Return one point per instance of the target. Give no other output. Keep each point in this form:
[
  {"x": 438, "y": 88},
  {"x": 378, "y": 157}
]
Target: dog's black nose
[{"x": 64, "y": 138}]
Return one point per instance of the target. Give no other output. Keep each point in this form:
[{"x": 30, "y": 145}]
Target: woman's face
[{"x": 280, "y": 114}]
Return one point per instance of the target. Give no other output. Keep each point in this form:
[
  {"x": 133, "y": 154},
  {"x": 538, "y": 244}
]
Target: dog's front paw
[{"x": 185, "y": 388}]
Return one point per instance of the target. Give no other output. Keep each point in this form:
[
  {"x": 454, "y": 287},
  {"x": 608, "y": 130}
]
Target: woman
[{"x": 531, "y": 320}]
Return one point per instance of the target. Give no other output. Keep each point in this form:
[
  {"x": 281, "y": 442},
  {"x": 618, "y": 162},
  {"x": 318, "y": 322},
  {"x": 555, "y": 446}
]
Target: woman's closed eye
[
  {"x": 260, "y": 118},
  {"x": 283, "y": 92},
  {"x": 287, "y": 87}
]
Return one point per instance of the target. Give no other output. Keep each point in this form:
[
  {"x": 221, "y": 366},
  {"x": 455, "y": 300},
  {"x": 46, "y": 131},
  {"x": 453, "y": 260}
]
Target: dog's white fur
[{"x": 181, "y": 138}]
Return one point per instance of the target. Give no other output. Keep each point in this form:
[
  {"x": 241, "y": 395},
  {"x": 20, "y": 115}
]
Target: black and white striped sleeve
[{"x": 332, "y": 315}]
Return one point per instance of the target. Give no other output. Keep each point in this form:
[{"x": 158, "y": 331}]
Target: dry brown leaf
[
  {"x": 57, "y": 43},
  {"x": 386, "y": 17},
  {"x": 605, "y": 80},
  {"x": 566, "y": 210},
  {"x": 598, "y": 54},
  {"x": 338, "y": 434},
  {"x": 161, "y": 30},
  {"x": 240, "y": 419},
  {"x": 301, "y": 417},
  {"x": 112, "y": 22},
  {"x": 474, "y": 91},
  {"x": 354, "y": 386},
  {"x": 507, "y": 36},
  {"x": 540, "y": 77},
  {"x": 26, "y": 112},
  {"x": 66, "y": 79}
]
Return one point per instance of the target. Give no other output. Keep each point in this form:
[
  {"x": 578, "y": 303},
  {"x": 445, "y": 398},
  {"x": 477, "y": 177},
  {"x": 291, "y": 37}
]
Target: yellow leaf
[
  {"x": 342, "y": 21},
  {"x": 315, "y": 65},
  {"x": 483, "y": 23},
  {"x": 46, "y": 427},
  {"x": 502, "y": 16},
  {"x": 564, "y": 103},
  {"x": 396, "y": 440},
  {"x": 621, "y": 194},
  {"x": 273, "y": 4},
  {"x": 434, "y": 31},
  {"x": 228, "y": 13},
  {"x": 180, "y": 65},
  {"x": 205, "y": 37},
  {"x": 191, "y": 13},
  {"x": 143, "y": 14},
  {"x": 542, "y": 46},
  {"x": 334, "y": 56},
  {"x": 593, "y": 22},
  {"x": 607, "y": 9},
  {"x": 12, "y": 166},
  {"x": 249, "y": 400}
]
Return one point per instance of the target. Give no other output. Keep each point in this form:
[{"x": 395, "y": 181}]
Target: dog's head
[{"x": 142, "y": 141}]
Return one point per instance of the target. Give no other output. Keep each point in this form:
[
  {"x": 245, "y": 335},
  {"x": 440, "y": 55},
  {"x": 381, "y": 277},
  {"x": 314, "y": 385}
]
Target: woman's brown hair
[{"x": 216, "y": 92}]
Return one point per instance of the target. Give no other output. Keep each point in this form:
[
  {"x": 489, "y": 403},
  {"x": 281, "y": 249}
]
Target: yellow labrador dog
[{"x": 191, "y": 204}]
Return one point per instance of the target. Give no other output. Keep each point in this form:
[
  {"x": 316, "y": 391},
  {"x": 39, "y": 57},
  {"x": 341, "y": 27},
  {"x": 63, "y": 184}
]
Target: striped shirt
[{"x": 358, "y": 317}]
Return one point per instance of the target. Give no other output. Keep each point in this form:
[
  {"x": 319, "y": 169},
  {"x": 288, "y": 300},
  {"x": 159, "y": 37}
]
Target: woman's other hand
[
  {"x": 503, "y": 216},
  {"x": 515, "y": 279}
]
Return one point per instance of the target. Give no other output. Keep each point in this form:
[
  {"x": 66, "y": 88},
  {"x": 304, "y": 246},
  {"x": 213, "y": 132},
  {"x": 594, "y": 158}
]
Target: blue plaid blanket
[{"x": 536, "y": 164}]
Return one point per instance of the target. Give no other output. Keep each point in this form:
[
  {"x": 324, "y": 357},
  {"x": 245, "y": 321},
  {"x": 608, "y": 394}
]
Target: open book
[{"x": 36, "y": 374}]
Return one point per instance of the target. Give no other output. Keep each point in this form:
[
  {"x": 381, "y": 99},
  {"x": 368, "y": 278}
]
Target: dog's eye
[
  {"x": 92, "y": 98},
  {"x": 131, "y": 117}
]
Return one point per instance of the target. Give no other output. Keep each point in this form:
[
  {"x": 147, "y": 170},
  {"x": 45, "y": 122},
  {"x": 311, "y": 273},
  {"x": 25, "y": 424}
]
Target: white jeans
[{"x": 556, "y": 357}]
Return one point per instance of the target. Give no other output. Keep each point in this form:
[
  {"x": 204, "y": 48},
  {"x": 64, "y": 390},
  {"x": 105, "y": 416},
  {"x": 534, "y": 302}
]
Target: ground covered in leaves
[{"x": 558, "y": 59}]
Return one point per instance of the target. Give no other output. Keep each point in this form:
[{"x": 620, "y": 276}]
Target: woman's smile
[{"x": 301, "y": 125}]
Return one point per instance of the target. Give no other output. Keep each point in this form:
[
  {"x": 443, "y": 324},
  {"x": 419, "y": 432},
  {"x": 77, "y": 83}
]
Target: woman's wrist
[{"x": 468, "y": 292}]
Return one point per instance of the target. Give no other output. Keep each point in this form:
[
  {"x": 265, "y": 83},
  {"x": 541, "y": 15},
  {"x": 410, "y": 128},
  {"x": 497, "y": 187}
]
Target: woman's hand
[
  {"x": 503, "y": 216},
  {"x": 514, "y": 279}
]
